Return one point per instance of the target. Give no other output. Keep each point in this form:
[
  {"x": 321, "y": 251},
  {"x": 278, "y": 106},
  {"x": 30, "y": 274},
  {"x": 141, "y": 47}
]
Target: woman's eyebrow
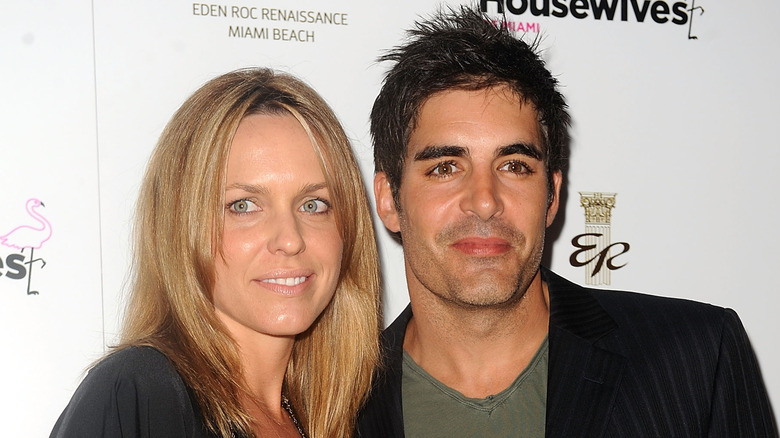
[
  {"x": 308, "y": 188},
  {"x": 263, "y": 190},
  {"x": 251, "y": 188}
]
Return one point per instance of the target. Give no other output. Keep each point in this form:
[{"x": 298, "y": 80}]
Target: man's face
[{"x": 473, "y": 198}]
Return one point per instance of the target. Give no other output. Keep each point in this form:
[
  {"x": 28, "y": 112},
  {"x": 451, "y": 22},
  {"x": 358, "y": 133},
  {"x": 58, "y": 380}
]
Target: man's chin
[{"x": 485, "y": 297}]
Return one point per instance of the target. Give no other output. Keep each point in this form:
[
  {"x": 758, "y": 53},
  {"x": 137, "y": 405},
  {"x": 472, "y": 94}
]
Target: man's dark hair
[{"x": 462, "y": 49}]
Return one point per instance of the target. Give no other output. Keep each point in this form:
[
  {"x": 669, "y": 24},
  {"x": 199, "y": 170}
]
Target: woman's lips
[
  {"x": 288, "y": 281},
  {"x": 286, "y": 284},
  {"x": 482, "y": 246}
]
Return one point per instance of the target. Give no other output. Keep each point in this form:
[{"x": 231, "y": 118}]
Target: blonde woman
[{"x": 254, "y": 309}]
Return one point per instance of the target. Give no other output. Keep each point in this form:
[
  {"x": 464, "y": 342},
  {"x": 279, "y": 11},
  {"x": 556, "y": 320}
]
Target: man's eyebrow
[
  {"x": 433, "y": 152},
  {"x": 528, "y": 149}
]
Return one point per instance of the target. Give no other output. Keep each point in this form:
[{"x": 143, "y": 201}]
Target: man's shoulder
[
  {"x": 392, "y": 345},
  {"x": 627, "y": 305},
  {"x": 627, "y": 319},
  {"x": 394, "y": 333},
  {"x": 381, "y": 415},
  {"x": 630, "y": 306},
  {"x": 627, "y": 300}
]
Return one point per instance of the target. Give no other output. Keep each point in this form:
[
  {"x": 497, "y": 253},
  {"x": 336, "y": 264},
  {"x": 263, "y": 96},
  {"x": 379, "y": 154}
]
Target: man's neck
[{"x": 477, "y": 351}]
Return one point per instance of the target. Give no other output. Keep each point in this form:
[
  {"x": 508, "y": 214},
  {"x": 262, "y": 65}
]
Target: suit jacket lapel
[{"x": 585, "y": 370}]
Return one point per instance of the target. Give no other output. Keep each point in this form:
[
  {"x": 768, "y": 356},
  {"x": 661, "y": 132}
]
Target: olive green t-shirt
[{"x": 432, "y": 409}]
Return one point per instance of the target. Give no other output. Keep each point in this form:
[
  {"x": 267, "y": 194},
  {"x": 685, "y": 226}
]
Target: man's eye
[
  {"x": 444, "y": 169},
  {"x": 515, "y": 167},
  {"x": 315, "y": 206}
]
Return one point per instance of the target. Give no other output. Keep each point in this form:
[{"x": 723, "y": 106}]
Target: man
[{"x": 470, "y": 138}]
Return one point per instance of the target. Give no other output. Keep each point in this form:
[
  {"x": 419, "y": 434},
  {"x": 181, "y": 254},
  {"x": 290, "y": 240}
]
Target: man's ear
[
  {"x": 385, "y": 205},
  {"x": 552, "y": 209}
]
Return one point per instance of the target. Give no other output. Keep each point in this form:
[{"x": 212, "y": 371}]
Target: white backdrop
[{"x": 680, "y": 129}]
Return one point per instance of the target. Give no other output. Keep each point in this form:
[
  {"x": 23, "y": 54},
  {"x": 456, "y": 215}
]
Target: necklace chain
[{"x": 287, "y": 407}]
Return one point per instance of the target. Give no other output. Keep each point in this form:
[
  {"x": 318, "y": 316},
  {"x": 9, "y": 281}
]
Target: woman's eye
[
  {"x": 444, "y": 169},
  {"x": 242, "y": 206},
  {"x": 315, "y": 206}
]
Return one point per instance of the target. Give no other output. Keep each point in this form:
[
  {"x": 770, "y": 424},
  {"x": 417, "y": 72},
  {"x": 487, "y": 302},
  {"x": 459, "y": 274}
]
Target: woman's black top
[{"x": 135, "y": 392}]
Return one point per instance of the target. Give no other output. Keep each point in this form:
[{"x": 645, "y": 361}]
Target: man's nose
[{"x": 481, "y": 196}]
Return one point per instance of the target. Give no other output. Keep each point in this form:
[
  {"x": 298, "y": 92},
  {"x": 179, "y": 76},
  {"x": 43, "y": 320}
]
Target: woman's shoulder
[
  {"x": 130, "y": 390},
  {"x": 146, "y": 366},
  {"x": 134, "y": 372}
]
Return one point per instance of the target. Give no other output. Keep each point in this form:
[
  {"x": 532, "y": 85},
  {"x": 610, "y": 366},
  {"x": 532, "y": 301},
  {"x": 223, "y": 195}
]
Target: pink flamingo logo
[{"x": 26, "y": 236}]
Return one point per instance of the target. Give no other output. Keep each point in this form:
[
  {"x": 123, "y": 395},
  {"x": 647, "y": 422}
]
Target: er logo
[
  {"x": 600, "y": 257},
  {"x": 594, "y": 248}
]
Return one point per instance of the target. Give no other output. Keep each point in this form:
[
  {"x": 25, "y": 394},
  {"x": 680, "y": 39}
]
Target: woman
[{"x": 254, "y": 309}]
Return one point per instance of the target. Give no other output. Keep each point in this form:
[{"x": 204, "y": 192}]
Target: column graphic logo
[
  {"x": 594, "y": 248},
  {"x": 25, "y": 237}
]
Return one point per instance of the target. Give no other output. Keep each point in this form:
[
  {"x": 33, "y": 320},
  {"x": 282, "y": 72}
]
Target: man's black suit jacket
[{"x": 622, "y": 364}]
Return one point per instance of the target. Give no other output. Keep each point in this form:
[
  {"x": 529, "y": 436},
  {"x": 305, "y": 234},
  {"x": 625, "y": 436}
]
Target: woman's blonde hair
[{"x": 178, "y": 235}]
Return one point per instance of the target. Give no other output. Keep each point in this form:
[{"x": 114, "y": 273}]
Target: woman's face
[{"x": 282, "y": 249}]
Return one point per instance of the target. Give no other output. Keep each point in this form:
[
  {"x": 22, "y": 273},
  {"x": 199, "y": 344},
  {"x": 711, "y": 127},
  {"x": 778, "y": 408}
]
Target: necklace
[{"x": 287, "y": 407}]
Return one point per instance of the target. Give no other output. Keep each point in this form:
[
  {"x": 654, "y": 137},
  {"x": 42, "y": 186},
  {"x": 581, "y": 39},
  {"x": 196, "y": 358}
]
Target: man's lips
[{"x": 482, "y": 246}]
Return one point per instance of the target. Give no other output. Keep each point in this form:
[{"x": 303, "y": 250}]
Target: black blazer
[{"x": 622, "y": 364}]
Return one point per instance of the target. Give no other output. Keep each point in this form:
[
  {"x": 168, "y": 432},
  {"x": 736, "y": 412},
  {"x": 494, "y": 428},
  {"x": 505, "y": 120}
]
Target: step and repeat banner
[{"x": 672, "y": 178}]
